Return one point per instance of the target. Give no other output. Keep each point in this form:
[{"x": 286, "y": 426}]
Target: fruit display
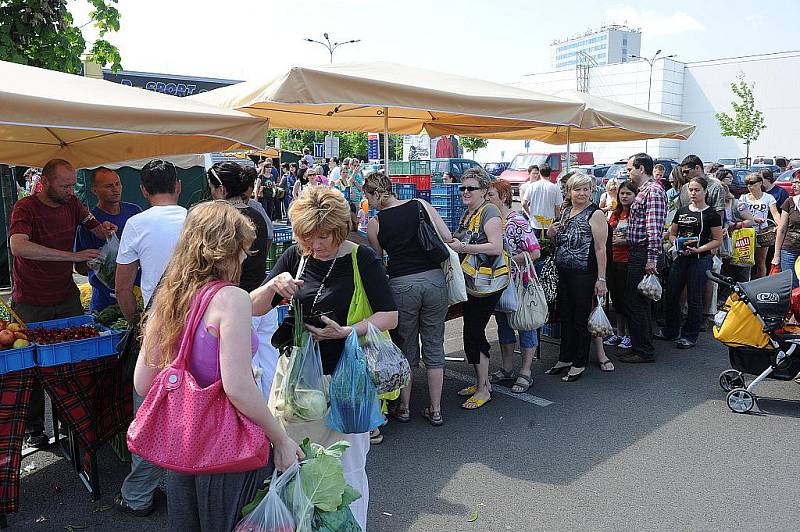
[
  {"x": 43, "y": 336},
  {"x": 13, "y": 336}
]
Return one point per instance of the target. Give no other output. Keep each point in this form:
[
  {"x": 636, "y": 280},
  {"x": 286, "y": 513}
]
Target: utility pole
[
  {"x": 331, "y": 46},
  {"x": 651, "y": 61}
]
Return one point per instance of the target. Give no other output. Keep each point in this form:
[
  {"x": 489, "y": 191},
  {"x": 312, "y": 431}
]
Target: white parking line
[{"x": 528, "y": 398}]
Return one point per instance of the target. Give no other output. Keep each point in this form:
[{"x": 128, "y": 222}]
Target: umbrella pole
[
  {"x": 386, "y": 140},
  {"x": 568, "y": 158}
]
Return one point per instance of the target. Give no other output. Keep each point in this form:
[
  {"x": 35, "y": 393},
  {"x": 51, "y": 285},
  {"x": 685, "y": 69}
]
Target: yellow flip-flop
[
  {"x": 469, "y": 391},
  {"x": 477, "y": 402}
]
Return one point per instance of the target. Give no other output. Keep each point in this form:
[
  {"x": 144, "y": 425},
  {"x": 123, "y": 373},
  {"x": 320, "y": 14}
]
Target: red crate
[
  {"x": 402, "y": 179},
  {"x": 423, "y": 182}
]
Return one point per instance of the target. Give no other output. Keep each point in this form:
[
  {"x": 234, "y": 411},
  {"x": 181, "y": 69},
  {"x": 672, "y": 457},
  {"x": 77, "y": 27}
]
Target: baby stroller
[{"x": 753, "y": 326}]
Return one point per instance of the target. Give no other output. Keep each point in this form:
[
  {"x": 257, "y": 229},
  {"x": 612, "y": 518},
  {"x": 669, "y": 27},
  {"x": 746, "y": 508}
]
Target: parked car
[
  {"x": 759, "y": 167},
  {"x": 496, "y": 169},
  {"x": 456, "y": 167},
  {"x": 517, "y": 171},
  {"x": 784, "y": 180},
  {"x": 763, "y": 160},
  {"x": 737, "y": 183},
  {"x": 727, "y": 163},
  {"x": 794, "y": 163},
  {"x": 596, "y": 170},
  {"x": 619, "y": 170}
]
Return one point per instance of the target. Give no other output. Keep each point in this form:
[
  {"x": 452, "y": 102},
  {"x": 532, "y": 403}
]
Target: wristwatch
[{"x": 601, "y": 279}]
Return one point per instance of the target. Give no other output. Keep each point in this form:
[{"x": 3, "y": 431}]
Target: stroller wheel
[
  {"x": 740, "y": 400},
  {"x": 730, "y": 379}
]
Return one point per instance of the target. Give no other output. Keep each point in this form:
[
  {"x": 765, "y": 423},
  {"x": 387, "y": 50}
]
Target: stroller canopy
[{"x": 770, "y": 295}]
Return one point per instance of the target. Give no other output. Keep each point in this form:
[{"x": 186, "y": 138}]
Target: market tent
[
  {"x": 601, "y": 120},
  {"x": 383, "y": 96},
  {"x": 46, "y": 114}
]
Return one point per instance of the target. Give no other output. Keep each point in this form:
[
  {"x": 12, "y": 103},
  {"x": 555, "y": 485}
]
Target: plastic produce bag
[
  {"x": 387, "y": 365},
  {"x": 105, "y": 266},
  {"x": 303, "y": 396},
  {"x": 284, "y": 509},
  {"x": 354, "y": 398},
  {"x": 649, "y": 287},
  {"x": 598, "y": 321}
]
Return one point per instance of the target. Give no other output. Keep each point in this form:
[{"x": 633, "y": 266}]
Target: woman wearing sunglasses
[
  {"x": 787, "y": 241},
  {"x": 760, "y": 206},
  {"x": 486, "y": 238}
]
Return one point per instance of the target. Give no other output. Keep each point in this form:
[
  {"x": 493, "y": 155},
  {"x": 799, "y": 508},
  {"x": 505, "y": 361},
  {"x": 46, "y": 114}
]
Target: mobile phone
[{"x": 315, "y": 320}]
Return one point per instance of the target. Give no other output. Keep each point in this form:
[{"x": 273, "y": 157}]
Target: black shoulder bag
[{"x": 429, "y": 239}]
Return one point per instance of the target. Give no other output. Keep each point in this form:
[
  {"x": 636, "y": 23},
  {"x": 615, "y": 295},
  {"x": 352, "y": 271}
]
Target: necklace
[{"x": 321, "y": 284}]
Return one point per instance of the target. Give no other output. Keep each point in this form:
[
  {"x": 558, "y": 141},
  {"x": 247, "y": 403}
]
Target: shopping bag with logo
[{"x": 744, "y": 247}]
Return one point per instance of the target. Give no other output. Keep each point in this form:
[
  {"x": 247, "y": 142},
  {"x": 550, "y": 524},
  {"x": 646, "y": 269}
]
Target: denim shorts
[{"x": 507, "y": 335}]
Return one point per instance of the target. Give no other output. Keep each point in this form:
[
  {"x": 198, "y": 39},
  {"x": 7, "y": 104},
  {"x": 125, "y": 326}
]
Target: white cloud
[{"x": 653, "y": 23}]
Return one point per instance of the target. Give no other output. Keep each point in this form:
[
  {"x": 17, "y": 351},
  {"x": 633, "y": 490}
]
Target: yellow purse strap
[{"x": 475, "y": 220}]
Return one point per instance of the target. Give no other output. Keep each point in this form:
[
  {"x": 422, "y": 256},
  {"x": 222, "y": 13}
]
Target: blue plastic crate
[
  {"x": 445, "y": 189},
  {"x": 282, "y": 233},
  {"x": 424, "y": 195},
  {"x": 77, "y": 350},
  {"x": 404, "y": 191},
  {"x": 17, "y": 359}
]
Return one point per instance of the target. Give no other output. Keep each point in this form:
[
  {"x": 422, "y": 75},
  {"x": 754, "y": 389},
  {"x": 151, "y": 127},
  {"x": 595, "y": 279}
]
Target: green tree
[
  {"x": 42, "y": 33},
  {"x": 473, "y": 144},
  {"x": 747, "y": 122}
]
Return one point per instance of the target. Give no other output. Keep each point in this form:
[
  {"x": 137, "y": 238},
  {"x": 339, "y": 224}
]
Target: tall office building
[{"x": 608, "y": 45}]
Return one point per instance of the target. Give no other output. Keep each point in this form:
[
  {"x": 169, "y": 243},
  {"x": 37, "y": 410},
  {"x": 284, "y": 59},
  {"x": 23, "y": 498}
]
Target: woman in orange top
[{"x": 618, "y": 267}]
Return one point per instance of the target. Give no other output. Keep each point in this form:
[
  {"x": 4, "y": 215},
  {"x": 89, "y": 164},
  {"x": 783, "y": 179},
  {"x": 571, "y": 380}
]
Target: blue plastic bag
[{"x": 354, "y": 398}]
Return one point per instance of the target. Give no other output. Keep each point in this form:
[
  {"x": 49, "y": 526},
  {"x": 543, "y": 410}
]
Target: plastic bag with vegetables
[
  {"x": 284, "y": 508},
  {"x": 387, "y": 365},
  {"x": 105, "y": 266},
  {"x": 649, "y": 287},
  {"x": 598, "y": 321},
  {"x": 354, "y": 398},
  {"x": 303, "y": 396}
]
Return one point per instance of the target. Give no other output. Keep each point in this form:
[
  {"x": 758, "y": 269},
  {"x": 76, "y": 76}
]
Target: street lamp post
[
  {"x": 650, "y": 61},
  {"x": 331, "y": 46}
]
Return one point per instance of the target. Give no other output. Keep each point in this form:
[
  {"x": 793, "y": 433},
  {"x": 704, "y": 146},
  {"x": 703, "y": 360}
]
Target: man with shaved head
[
  {"x": 42, "y": 233},
  {"x": 107, "y": 188}
]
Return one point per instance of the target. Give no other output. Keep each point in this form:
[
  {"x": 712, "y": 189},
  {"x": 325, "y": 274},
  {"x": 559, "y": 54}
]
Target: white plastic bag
[
  {"x": 650, "y": 288},
  {"x": 285, "y": 508},
  {"x": 105, "y": 266},
  {"x": 598, "y": 321},
  {"x": 386, "y": 364},
  {"x": 303, "y": 395}
]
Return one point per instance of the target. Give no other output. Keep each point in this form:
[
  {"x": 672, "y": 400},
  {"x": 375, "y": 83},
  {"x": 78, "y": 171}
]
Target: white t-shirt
[
  {"x": 542, "y": 197},
  {"x": 760, "y": 208},
  {"x": 334, "y": 174},
  {"x": 150, "y": 238}
]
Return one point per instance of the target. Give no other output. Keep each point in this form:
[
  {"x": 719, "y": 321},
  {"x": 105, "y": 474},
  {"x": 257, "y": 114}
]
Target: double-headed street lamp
[
  {"x": 650, "y": 61},
  {"x": 331, "y": 46}
]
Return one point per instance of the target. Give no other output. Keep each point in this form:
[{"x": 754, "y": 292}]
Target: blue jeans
[
  {"x": 788, "y": 259},
  {"x": 689, "y": 271},
  {"x": 507, "y": 335}
]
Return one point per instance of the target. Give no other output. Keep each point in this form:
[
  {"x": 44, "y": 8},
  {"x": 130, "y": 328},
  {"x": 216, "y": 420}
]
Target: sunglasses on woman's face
[{"x": 462, "y": 188}]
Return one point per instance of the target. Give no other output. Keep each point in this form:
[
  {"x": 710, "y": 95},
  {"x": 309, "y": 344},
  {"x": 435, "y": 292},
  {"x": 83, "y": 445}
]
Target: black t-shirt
[
  {"x": 697, "y": 224},
  {"x": 338, "y": 291},
  {"x": 254, "y": 267},
  {"x": 397, "y": 234}
]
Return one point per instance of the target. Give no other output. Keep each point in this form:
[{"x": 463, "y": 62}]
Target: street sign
[
  {"x": 319, "y": 150},
  {"x": 373, "y": 147},
  {"x": 277, "y": 143},
  {"x": 527, "y": 144},
  {"x": 331, "y": 146}
]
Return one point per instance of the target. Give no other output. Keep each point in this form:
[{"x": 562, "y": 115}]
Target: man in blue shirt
[{"x": 107, "y": 187}]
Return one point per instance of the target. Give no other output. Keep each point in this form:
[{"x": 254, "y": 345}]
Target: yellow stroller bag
[{"x": 739, "y": 326}]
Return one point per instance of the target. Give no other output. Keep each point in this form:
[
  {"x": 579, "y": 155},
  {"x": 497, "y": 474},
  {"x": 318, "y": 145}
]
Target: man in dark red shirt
[{"x": 42, "y": 236}]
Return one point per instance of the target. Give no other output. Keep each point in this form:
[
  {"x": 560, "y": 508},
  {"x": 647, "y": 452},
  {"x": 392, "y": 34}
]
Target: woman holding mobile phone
[{"x": 696, "y": 230}]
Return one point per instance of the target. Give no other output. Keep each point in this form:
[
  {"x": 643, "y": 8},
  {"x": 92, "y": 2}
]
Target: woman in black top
[
  {"x": 581, "y": 237},
  {"x": 696, "y": 230},
  {"x": 417, "y": 283},
  {"x": 227, "y": 182}
]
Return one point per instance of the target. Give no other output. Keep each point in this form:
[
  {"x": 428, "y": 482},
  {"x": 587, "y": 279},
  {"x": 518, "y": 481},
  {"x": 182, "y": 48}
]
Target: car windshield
[
  {"x": 525, "y": 160},
  {"x": 617, "y": 171},
  {"x": 727, "y": 161},
  {"x": 441, "y": 166}
]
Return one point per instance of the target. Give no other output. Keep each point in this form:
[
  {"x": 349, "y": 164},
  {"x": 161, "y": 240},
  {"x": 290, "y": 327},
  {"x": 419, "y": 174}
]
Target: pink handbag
[{"x": 185, "y": 428}]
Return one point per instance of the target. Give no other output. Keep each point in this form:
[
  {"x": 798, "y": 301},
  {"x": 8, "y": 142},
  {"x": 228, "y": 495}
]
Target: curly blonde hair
[
  {"x": 208, "y": 249},
  {"x": 319, "y": 210}
]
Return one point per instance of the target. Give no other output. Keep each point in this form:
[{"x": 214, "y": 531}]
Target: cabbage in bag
[
  {"x": 354, "y": 398},
  {"x": 303, "y": 396},
  {"x": 105, "y": 266},
  {"x": 284, "y": 509},
  {"x": 387, "y": 365},
  {"x": 598, "y": 321}
]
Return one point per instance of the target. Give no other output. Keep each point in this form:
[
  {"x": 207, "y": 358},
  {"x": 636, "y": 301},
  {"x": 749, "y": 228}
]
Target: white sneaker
[{"x": 625, "y": 343}]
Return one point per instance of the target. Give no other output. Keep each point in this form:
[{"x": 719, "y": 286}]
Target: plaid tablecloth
[{"x": 92, "y": 400}]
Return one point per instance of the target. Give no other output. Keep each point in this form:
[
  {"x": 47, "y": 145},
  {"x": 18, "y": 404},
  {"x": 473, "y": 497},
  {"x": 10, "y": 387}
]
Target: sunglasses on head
[{"x": 462, "y": 188}]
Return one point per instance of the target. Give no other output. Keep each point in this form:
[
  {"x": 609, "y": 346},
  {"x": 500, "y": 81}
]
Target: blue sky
[{"x": 500, "y": 40}]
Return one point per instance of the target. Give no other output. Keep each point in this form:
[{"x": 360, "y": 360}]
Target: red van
[{"x": 517, "y": 171}]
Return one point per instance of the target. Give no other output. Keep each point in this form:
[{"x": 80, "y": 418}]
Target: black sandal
[
  {"x": 558, "y": 370},
  {"x": 502, "y": 375},
  {"x": 434, "y": 418},
  {"x": 524, "y": 386}
]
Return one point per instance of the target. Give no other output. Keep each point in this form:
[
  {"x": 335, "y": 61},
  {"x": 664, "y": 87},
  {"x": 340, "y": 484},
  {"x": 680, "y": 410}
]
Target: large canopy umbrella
[
  {"x": 46, "y": 114},
  {"x": 389, "y": 97}
]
